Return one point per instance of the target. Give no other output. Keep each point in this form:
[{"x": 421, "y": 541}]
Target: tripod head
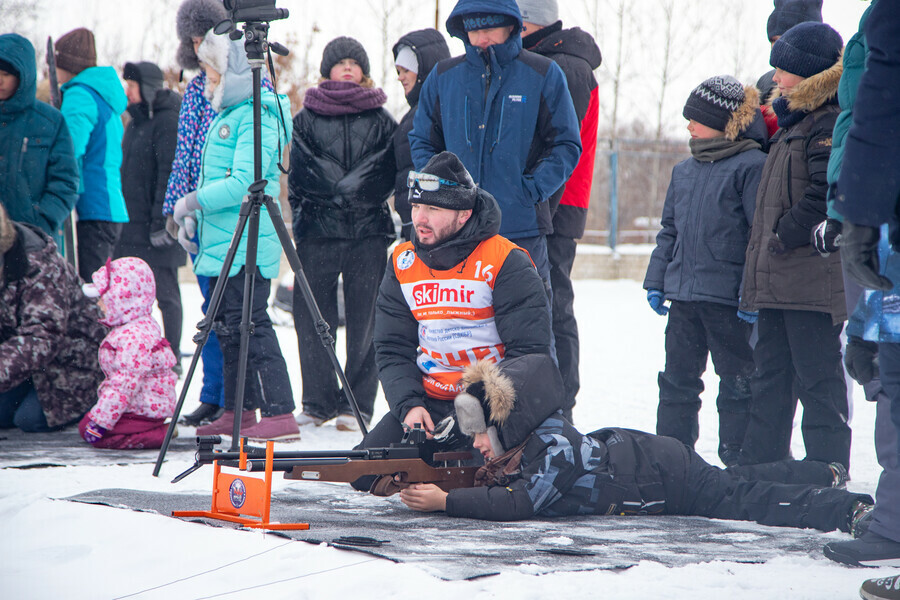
[{"x": 256, "y": 16}]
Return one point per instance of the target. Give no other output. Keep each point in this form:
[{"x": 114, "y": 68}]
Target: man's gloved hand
[
  {"x": 826, "y": 237},
  {"x": 861, "y": 359},
  {"x": 93, "y": 433},
  {"x": 859, "y": 256},
  {"x": 171, "y": 227},
  {"x": 791, "y": 233},
  {"x": 656, "y": 299},
  {"x": 160, "y": 237},
  {"x": 186, "y": 235},
  {"x": 748, "y": 316},
  {"x": 185, "y": 207}
]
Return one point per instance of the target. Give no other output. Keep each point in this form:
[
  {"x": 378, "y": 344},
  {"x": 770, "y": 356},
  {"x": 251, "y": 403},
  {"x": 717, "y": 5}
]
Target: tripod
[{"x": 255, "y": 46}]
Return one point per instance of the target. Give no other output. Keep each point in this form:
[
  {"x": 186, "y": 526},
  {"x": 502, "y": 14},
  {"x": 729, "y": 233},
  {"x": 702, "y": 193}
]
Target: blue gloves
[
  {"x": 656, "y": 299},
  {"x": 93, "y": 433},
  {"x": 750, "y": 317}
]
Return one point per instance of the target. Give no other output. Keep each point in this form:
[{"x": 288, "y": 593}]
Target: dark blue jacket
[
  {"x": 706, "y": 219},
  {"x": 38, "y": 173},
  {"x": 507, "y": 114},
  {"x": 869, "y": 183}
]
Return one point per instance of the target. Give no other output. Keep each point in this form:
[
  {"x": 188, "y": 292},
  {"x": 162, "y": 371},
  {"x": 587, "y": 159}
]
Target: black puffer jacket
[
  {"x": 520, "y": 308},
  {"x": 430, "y": 48},
  {"x": 342, "y": 173},
  {"x": 148, "y": 149}
]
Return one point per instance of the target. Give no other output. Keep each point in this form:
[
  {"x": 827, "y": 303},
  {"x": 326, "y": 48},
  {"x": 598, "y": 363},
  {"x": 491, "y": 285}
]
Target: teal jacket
[
  {"x": 227, "y": 172},
  {"x": 855, "y": 53},
  {"x": 38, "y": 174},
  {"x": 93, "y": 102}
]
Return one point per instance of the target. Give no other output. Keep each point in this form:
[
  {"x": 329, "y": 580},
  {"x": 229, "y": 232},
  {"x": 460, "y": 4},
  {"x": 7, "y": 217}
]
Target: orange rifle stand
[{"x": 236, "y": 495}]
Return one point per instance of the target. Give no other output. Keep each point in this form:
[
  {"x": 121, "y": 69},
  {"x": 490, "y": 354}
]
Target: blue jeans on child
[{"x": 19, "y": 407}]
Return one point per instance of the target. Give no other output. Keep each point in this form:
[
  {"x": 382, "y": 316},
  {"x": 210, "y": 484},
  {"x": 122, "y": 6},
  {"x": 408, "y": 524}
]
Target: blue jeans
[
  {"x": 213, "y": 391},
  {"x": 19, "y": 407}
]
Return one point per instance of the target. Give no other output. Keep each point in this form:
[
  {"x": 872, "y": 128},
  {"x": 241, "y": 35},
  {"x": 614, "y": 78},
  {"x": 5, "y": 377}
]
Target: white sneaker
[
  {"x": 304, "y": 419},
  {"x": 346, "y": 423}
]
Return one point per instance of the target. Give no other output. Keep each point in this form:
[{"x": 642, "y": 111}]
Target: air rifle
[{"x": 407, "y": 462}]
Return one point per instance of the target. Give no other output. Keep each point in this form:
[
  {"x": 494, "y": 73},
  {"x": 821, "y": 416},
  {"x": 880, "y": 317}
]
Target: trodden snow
[{"x": 51, "y": 548}]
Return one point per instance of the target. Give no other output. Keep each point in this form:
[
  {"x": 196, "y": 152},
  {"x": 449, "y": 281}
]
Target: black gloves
[
  {"x": 826, "y": 237},
  {"x": 791, "y": 233},
  {"x": 859, "y": 256},
  {"x": 861, "y": 359}
]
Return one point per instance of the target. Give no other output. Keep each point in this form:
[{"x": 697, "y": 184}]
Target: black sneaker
[
  {"x": 204, "y": 415},
  {"x": 882, "y": 588},
  {"x": 869, "y": 550}
]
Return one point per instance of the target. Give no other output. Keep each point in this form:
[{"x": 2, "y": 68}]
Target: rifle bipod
[{"x": 236, "y": 495}]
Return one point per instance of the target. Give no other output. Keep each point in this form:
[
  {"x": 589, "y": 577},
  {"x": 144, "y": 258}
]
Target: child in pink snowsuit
[{"x": 138, "y": 393}]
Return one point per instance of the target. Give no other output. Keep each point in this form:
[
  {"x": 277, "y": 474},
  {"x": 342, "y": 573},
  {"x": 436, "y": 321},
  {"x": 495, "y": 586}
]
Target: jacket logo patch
[
  {"x": 224, "y": 131},
  {"x": 426, "y": 294},
  {"x": 517, "y": 98},
  {"x": 824, "y": 143},
  {"x": 406, "y": 260}
]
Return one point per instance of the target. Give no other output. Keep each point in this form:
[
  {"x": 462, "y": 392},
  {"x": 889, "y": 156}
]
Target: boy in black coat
[{"x": 539, "y": 464}]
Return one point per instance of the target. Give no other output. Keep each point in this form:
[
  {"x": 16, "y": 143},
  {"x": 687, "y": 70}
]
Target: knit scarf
[
  {"x": 334, "y": 98},
  {"x": 713, "y": 149},
  {"x": 786, "y": 117}
]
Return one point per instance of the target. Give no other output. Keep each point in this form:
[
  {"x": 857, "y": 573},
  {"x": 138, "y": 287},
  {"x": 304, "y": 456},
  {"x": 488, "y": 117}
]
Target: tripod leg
[
  {"x": 204, "y": 326},
  {"x": 321, "y": 325}
]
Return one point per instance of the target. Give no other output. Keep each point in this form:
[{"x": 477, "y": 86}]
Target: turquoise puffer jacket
[{"x": 227, "y": 172}]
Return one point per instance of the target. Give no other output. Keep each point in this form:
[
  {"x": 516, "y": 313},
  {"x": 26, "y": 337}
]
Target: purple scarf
[{"x": 334, "y": 98}]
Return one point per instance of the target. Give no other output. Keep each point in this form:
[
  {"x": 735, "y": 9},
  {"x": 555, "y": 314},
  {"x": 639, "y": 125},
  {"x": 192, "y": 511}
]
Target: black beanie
[
  {"x": 8, "y": 67},
  {"x": 788, "y": 13},
  {"x": 149, "y": 78},
  {"x": 713, "y": 102},
  {"x": 481, "y": 20},
  {"x": 340, "y": 48},
  {"x": 807, "y": 49},
  {"x": 455, "y": 197}
]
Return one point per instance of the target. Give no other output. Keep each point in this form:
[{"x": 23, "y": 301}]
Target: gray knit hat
[
  {"x": 194, "y": 19},
  {"x": 539, "y": 12},
  {"x": 714, "y": 101},
  {"x": 340, "y": 48}
]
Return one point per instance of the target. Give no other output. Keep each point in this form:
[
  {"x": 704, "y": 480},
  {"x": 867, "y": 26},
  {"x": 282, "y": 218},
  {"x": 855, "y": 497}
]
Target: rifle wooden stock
[{"x": 404, "y": 470}]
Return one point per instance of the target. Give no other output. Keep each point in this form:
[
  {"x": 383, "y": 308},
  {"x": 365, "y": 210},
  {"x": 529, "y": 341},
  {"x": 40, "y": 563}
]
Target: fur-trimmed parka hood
[
  {"x": 815, "y": 91},
  {"x": 743, "y": 117},
  {"x": 516, "y": 396},
  {"x": 228, "y": 58}
]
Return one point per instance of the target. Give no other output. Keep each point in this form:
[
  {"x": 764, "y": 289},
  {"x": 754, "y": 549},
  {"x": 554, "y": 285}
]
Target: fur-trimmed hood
[
  {"x": 815, "y": 91},
  {"x": 743, "y": 117},
  {"x": 228, "y": 58},
  {"x": 515, "y": 396}
]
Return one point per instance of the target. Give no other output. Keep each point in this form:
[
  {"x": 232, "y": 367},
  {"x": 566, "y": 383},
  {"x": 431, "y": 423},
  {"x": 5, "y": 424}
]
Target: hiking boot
[
  {"x": 346, "y": 423},
  {"x": 841, "y": 476},
  {"x": 859, "y": 512},
  {"x": 204, "y": 415},
  {"x": 280, "y": 428},
  {"x": 868, "y": 550},
  {"x": 862, "y": 524},
  {"x": 304, "y": 419},
  {"x": 224, "y": 425},
  {"x": 882, "y": 588}
]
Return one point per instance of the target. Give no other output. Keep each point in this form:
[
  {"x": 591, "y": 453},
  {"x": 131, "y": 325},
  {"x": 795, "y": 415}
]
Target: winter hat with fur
[
  {"x": 713, "y": 102},
  {"x": 459, "y": 194},
  {"x": 807, "y": 49},
  {"x": 228, "y": 59},
  {"x": 539, "y": 12},
  {"x": 76, "y": 51},
  {"x": 194, "y": 19},
  {"x": 512, "y": 398},
  {"x": 340, "y": 48},
  {"x": 788, "y": 13}
]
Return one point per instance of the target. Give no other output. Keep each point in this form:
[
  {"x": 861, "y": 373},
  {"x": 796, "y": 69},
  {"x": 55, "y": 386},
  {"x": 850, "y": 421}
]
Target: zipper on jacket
[
  {"x": 22, "y": 153},
  {"x": 499, "y": 126}
]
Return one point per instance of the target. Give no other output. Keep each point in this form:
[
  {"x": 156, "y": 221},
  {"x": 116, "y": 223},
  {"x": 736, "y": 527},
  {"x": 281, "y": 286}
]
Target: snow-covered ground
[{"x": 56, "y": 549}]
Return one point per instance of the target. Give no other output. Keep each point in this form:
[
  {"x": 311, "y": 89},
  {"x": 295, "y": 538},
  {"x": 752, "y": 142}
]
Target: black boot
[{"x": 204, "y": 415}]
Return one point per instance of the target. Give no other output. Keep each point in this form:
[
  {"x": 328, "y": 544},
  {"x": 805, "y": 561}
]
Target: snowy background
[{"x": 50, "y": 548}]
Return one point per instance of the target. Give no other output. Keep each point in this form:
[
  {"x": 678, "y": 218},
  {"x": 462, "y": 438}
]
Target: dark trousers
[
  {"x": 20, "y": 407},
  {"x": 886, "y": 516},
  {"x": 361, "y": 263},
  {"x": 96, "y": 241},
  {"x": 561, "y": 253},
  {"x": 804, "y": 345},
  {"x": 536, "y": 247},
  {"x": 213, "y": 390},
  {"x": 390, "y": 431},
  {"x": 267, "y": 384},
  {"x": 168, "y": 296},
  {"x": 696, "y": 330}
]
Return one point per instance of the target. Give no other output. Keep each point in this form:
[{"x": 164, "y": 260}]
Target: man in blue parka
[
  {"x": 507, "y": 114},
  {"x": 93, "y": 102},
  {"x": 38, "y": 174}
]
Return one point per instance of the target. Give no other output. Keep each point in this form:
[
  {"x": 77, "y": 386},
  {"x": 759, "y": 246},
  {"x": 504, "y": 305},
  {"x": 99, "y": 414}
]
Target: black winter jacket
[
  {"x": 430, "y": 48},
  {"x": 342, "y": 173},
  {"x": 148, "y": 149},
  {"x": 577, "y": 54},
  {"x": 521, "y": 313}
]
